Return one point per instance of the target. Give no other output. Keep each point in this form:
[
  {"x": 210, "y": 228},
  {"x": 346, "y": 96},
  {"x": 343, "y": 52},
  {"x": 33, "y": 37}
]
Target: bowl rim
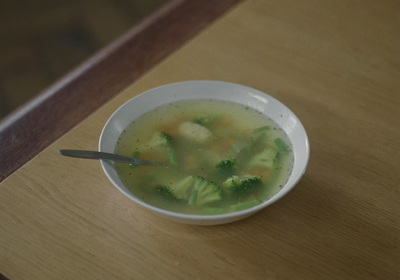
[{"x": 201, "y": 217}]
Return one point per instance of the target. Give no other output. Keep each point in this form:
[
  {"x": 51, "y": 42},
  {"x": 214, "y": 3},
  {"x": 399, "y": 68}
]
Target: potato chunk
[{"x": 194, "y": 132}]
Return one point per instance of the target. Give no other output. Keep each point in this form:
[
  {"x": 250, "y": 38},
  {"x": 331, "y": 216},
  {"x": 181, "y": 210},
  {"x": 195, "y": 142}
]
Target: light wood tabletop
[{"x": 336, "y": 65}]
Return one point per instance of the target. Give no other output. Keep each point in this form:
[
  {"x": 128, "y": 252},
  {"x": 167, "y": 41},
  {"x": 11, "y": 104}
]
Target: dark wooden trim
[
  {"x": 55, "y": 111},
  {"x": 2, "y": 277}
]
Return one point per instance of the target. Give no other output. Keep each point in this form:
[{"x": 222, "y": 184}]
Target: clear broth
[{"x": 231, "y": 125}]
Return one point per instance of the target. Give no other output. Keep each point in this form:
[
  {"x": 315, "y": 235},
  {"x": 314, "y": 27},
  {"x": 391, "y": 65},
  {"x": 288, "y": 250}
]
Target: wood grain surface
[
  {"x": 70, "y": 100},
  {"x": 336, "y": 65}
]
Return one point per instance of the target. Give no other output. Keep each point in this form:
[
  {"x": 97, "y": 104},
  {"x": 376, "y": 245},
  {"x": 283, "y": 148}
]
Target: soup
[{"x": 215, "y": 157}]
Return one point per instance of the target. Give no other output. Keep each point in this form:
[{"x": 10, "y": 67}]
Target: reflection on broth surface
[{"x": 220, "y": 157}]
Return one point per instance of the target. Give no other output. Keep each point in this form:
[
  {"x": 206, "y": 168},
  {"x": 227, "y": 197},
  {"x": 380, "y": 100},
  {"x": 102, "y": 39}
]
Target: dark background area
[{"x": 42, "y": 40}]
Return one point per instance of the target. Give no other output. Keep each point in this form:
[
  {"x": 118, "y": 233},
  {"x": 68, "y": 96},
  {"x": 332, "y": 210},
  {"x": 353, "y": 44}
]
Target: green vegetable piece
[
  {"x": 166, "y": 192},
  {"x": 262, "y": 128},
  {"x": 231, "y": 184},
  {"x": 166, "y": 136},
  {"x": 193, "y": 197},
  {"x": 226, "y": 166},
  {"x": 172, "y": 156},
  {"x": 207, "y": 191},
  {"x": 206, "y": 120},
  {"x": 244, "y": 205},
  {"x": 241, "y": 187},
  {"x": 136, "y": 154},
  {"x": 248, "y": 185},
  {"x": 161, "y": 142},
  {"x": 159, "y": 139},
  {"x": 281, "y": 145},
  {"x": 182, "y": 188},
  {"x": 266, "y": 158}
]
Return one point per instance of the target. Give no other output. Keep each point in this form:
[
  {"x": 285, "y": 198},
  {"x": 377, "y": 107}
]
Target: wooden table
[{"x": 334, "y": 63}]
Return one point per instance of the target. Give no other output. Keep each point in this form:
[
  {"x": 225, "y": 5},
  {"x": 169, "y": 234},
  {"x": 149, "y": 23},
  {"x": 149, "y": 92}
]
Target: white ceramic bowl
[{"x": 258, "y": 100}]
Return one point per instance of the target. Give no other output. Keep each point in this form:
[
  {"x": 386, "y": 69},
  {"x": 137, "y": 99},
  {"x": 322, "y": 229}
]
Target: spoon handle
[{"x": 103, "y": 155}]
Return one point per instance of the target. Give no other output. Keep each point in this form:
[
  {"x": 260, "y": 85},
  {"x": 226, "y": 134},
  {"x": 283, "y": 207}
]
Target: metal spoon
[{"x": 107, "y": 156}]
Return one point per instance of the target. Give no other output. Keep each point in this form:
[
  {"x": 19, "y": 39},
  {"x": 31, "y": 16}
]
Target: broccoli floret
[
  {"x": 165, "y": 136},
  {"x": 226, "y": 166},
  {"x": 195, "y": 190},
  {"x": 249, "y": 184},
  {"x": 195, "y": 132},
  {"x": 266, "y": 158},
  {"x": 182, "y": 188},
  {"x": 241, "y": 187},
  {"x": 206, "y": 191},
  {"x": 158, "y": 139},
  {"x": 231, "y": 184},
  {"x": 166, "y": 192}
]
